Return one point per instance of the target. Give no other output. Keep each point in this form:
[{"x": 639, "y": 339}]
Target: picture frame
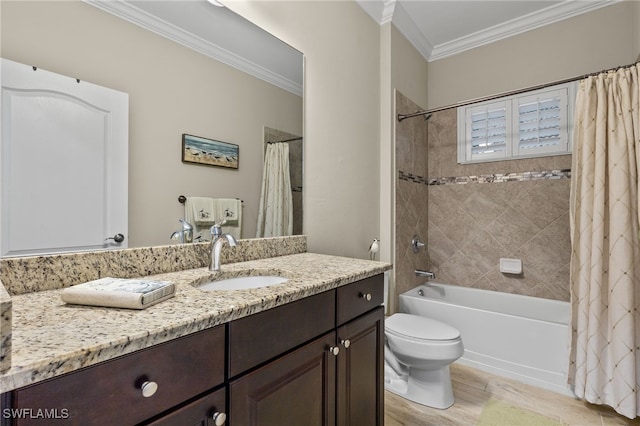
[{"x": 209, "y": 152}]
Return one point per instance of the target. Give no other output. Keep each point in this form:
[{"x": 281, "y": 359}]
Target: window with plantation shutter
[
  {"x": 531, "y": 124},
  {"x": 487, "y": 128}
]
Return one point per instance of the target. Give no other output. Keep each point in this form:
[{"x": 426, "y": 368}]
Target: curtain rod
[
  {"x": 510, "y": 93},
  {"x": 286, "y": 140}
]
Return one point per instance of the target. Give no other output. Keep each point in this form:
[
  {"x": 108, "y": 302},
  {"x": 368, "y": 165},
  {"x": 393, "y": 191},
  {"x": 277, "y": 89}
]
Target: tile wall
[
  {"x": 480, "y": 213},
  {"x": 411, "y": 198}
]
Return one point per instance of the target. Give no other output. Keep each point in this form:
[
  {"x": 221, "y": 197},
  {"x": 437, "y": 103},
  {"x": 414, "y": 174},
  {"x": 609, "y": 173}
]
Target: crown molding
[
  {"x": 388, "y": 9},
  {"x": 380, "y": 11},
  {"x": 149, "y": 22},
  {"x": 516, "y": 26},
  {"x": 408, "y": 28}
]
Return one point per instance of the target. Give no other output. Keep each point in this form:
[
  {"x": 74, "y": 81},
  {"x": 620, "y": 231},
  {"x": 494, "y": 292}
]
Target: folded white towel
[
  {"x": 230, "y": 209},
  {"x": 227, "y": 209},
  {"x": 201, "y": 210}
]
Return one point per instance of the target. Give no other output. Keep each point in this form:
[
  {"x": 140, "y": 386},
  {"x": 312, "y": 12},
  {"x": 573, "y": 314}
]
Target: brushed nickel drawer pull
[
  {"x": 219, "y": 418},
  {"x": 148, "y": 388},
  {"x": 366, "y": 296}
]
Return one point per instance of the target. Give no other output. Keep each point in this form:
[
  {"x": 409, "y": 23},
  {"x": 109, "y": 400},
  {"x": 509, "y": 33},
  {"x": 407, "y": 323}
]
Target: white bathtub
[{"x": 518, "y": 337}]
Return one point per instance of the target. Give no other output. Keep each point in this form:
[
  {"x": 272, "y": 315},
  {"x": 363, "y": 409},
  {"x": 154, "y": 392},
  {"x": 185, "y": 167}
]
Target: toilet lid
[{"x": 419, "y": 327}]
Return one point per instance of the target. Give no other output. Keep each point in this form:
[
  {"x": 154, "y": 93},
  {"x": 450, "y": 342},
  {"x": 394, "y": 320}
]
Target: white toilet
[{"x": 417, "y": 355}]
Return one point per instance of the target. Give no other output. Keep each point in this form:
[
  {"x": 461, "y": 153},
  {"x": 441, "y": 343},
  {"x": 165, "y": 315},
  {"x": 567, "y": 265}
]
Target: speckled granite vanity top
[{"x": 50, "y": 338}]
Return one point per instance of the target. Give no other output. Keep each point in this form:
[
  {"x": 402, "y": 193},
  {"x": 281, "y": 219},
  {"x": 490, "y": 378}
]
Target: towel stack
[{"x": 204, "y": 212}]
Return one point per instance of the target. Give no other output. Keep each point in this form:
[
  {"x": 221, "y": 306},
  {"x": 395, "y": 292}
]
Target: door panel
[
  {"x": 294, "y": 390},
  {"x": 360, "y": 372},
  {"x": 63, "y": 163}
]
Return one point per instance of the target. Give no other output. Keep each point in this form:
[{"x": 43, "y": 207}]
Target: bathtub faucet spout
[{"x": 427, "y": 274}]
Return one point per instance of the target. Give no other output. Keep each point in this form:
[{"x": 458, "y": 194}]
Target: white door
[{"x": 63, "y": 163}]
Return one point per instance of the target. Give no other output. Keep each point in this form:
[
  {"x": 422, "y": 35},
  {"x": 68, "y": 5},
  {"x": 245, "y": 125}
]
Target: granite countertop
[{"x": 50, "y": 338}]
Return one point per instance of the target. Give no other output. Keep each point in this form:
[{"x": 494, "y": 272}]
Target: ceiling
[
  {"x": 436, "y": 28},
  {"x": 440, "y": 28}
]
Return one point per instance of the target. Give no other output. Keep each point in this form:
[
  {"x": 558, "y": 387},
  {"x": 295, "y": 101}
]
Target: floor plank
[{"x": 472, "y": 389}]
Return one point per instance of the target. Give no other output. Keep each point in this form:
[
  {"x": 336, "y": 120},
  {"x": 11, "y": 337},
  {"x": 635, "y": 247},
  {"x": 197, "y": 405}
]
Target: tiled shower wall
[
  {"x": 470, "y": 226},
  {"x": 411, "y": 199}
]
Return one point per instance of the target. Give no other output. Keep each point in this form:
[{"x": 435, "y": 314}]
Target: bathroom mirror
[{"x": 188, "y": 67}]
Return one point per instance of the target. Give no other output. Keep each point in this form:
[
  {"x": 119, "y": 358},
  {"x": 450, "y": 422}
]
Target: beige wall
[
  {"x": 387, "y": 148},
  {"x": 587, "y": 43},
  {"x": 342, "y": 116},
  {"x": 172, "y": 90},
  {"x": 410, "y": 70}
]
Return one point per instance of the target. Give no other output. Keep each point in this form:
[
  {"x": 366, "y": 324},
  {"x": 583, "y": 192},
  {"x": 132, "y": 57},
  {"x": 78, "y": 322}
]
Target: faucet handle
[
  {"x": 216, "y": 229},
  {"x": 186, "y": 226}
]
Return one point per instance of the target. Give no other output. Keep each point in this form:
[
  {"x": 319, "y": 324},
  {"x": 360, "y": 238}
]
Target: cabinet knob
[
  {"x": 334, "y": 350},
  {"x": 219, "y": 418},
  {"x": 148, "y": 388},
  {"x": 346, "y": 343},
  {"x": 366, "y": 296}
]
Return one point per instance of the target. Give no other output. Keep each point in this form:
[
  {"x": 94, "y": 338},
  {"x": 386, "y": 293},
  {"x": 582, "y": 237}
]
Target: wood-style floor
[{"x": 472, "y": 389}]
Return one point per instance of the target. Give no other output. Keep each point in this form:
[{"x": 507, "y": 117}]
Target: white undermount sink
[{"x": 243, "y": 283}]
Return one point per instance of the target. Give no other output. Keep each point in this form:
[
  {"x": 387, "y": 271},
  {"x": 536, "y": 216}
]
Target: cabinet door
[
  {"x": 360, "y": 375},
  {"x": 201, "y": 412},
  {"x": 297, "y": 389}
]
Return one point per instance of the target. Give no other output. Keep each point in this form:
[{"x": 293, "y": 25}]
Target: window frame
[{"x": 566, "y": 92}]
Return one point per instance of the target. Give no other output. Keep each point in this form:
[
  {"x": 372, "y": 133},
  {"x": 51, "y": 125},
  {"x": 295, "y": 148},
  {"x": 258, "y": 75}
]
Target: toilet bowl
[{"x": 418, "y": 352}]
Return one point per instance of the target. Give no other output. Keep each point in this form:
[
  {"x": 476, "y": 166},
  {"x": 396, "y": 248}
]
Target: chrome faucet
[
  {"x": 217, "y": 239},
  {"x": 427, "y": 274},
  {"x": 185, "y": 234}
]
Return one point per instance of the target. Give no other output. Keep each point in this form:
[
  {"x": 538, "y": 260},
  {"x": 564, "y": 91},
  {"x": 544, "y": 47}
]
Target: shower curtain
[
  {"x": 605, "y": 260},
  {"x": 275, "y": 211}
]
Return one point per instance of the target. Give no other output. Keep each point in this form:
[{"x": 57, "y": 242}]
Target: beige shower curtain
[
  {"x": 605, "y": 259},
  {"x": 275, "y": 211}
]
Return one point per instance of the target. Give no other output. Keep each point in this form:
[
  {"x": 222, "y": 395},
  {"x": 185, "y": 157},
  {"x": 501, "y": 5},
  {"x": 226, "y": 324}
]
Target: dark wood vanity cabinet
[
  {"x": 334, "y": 379},
  {"x": 316, "y": 361},
  {"x": 130, "y": 389}
]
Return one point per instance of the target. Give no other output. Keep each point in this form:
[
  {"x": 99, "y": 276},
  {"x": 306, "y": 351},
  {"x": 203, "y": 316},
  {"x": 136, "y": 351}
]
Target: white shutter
[
  {"x": 488, "y": 127},
  {"x": 542, "y": 123}
]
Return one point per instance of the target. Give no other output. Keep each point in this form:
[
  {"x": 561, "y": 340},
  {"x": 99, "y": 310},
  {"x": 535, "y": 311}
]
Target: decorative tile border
[{"x": 492, "y": 178}]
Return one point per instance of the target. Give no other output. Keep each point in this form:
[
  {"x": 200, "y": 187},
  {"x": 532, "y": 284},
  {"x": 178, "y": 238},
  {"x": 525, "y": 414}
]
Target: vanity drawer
[
  {"x": 355, "y": 299},
  {"x": 110, "y": 393},
  {"x": 265, "y": 335}
]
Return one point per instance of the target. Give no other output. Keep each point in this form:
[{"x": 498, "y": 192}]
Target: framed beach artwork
[{"x": 209, "y": 152}]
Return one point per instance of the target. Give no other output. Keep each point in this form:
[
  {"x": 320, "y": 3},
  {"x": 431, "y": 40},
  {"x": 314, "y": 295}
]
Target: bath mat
[{"x": 498, "y": 413}]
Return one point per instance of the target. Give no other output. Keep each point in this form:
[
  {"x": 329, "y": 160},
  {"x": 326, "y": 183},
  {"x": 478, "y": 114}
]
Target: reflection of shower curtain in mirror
[{"x": 275, "y": 211}]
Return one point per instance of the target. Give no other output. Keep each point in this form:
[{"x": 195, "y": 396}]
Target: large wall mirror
[{"x": 189, "y": 67}]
